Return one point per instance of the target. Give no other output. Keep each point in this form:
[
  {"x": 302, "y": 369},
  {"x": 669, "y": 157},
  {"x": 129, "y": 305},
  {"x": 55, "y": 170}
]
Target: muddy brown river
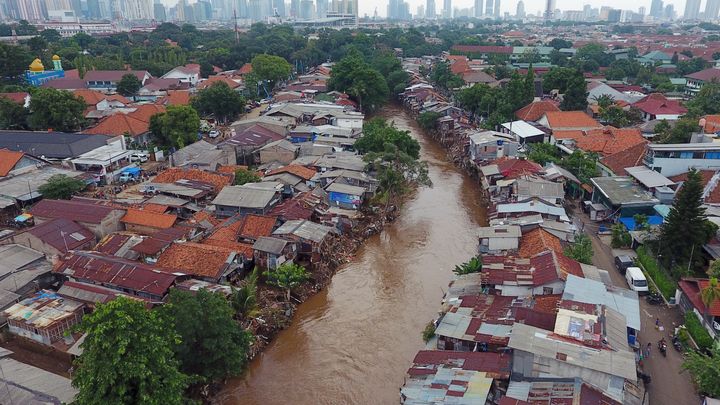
[{"x": 353, "y": 342}]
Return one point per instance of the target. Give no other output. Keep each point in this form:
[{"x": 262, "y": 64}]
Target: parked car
[
  {"x": 636, "y": 280},
  {"x": 214, "y": 133},
  {"x": 622, "y": 262},
  {"x": 139, "y": 157}
]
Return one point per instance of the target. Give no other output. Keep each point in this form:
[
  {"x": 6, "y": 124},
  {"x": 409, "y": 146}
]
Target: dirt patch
[{"x": 38, "y": 355}]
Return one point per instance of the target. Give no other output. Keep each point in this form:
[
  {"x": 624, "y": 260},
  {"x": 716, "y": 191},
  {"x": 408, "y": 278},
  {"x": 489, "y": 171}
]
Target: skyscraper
[
  {"x": 321, "y": 8},
  {"x": 497, "y": 9},
  {"x": 489, "y": 8},
  {"x": 669, "y": 12},
  {"x": 306, "y": 9},
  {"x": 692, "y": 10},
  {"x": 478, "y": 8},
  {"x": 447, "y": 8},
  {"x": 711, "y": 9},
  {"x": 520, "y": 10},
  {"x": 656, "y": 9},
  {"x": 159, "y": 12},
  {"x": 549, "y": 9},
  {"x": 93, "y": 9},
  {"x": 430, "y": 11}
]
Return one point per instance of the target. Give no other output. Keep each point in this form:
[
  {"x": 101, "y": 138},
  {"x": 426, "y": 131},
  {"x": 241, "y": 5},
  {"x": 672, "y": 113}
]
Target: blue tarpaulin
[
  {"x": 630, "y": 222},
  {"x": 132, "y": 170}
]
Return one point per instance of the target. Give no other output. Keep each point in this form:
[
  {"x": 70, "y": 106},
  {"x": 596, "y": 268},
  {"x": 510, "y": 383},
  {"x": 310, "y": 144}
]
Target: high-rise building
[
  {"x": 692, "y": 10},
  {"x": 478, "y": 8},
  {"x": 614, "y": 15},
  {"x": 520, "y": 9},
  {"x": 549, "y": 9},
  {"x": 420, "y": 13},
  {"x": 497, "y": 9},
  {"x": 669, "y": 12},
  {"x": 712, "y": 7},
  {"x": 321, "y": 7},
  {"x": 430, "y": 11},
  {"x": 306, "y": 9},
  {"x": 93, "y": 9},
  {"x": 393, "y": 9},
  {"x": 656, "y": 9},
  {"x": 447, "y": 9},
  {"x": 159, "y": 12},
  {"x": 641, "y": 11},
  {"x": 489, "y": 8}
]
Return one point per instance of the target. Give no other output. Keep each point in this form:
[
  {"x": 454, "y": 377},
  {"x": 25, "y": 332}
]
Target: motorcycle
[
  {"x": 676, "y": 343},
  {"x": 654, "y": 299},
  {"x": 662, "y": 346}
]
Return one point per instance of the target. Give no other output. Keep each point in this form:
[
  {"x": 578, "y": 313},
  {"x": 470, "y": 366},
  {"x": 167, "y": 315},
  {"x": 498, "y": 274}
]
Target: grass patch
[
  {"x": 699, "y": 334},
  {"x": 665, "y": 284}
]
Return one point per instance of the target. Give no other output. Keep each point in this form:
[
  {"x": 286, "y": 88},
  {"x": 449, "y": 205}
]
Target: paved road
[{"x": 669, "y": 386}]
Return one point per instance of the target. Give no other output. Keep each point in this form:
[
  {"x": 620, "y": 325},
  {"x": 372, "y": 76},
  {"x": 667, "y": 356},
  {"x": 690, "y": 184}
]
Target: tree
[
  {"x": 621, "y": 238},
  {"x": 358, "y": 79},
  {"x": 378, "y": 134},
  {"x": 14, "y": 60},
  {"x": 707, "y": 101},
  {"x": 710, "y": 294},
  {"x": 543, "y": 153},
  {"x": 61, "y": 187},
  {"x": 269, "y": 68},
  {"x": 128, "y": 85},
  {"x": 575, "y": 96},
  {"x": 559, "y": 43},
  {"x": 12, "y": 115},
  {"x": 581, "y": 250},
  {"x": 176, "y": 127},
  {"x": 705, "y": 371},
  {"x": 444, "y": 77},
  {"x": 557, "y": 78},
  {"x": 127, "y": 357},
  {"x": 428, "y": 120},
  {"x": 219, "y": 100},
  {"x": 582, "y": 164},
  {"x": 211, "y": 345},
  {"x": 244, "y": 299},
  {"x": 680, "y": 132},
  {"x": 243, "y": 176},
  {"x": 686, "y": 228},
  {"x": 714, "y": 269},
  {"x": 474, "y": 265},
  {"x": 59, "y": 110},
  {"x": 287, "y": 276},
  {"x": 51, "y": 35}
]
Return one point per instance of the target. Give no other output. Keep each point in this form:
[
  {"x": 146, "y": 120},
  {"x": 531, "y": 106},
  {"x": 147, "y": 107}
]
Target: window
[
  {"x": 686, "y": 155},
  {"x": 712, "y": 155},
  {"x": 547, "y": 290}
]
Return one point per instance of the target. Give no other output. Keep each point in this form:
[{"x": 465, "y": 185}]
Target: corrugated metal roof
[
  {"x": 270, "y": 245},
  {"x": 254, "y": 195},
  {"x": 594, "y": 292},
  {"x": 304, "y": 229},
  {"x": 43, "y": 309},
  {"x": 15, "y": 257},
  {"x": 31, "y": 385},
  {"x": 649, "y": 178},
  {"x": 345, "y": 189}
]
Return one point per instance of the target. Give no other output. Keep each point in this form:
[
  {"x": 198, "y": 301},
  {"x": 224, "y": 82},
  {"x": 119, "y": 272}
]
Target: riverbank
[{"x": 352, "y": 341}]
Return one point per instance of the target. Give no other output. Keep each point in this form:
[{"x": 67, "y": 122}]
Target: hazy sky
[{"x": 531, "y": 6}]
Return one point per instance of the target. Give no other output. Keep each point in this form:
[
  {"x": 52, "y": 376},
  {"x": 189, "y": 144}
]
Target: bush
[
  {"x": 428, "y": 332},
  {"x": 698, "y": 332},
  {"x": 665, "y": 284}
]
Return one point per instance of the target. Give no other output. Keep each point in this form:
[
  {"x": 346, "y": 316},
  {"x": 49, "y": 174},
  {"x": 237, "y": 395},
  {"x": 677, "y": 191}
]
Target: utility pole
[{"x": 237, "y": 33}]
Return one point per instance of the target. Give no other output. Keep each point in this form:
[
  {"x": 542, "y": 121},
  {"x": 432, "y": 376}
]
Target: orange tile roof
[
  {"x": 93, "y": 97},
  {"x": 144, "y": 112},
  {"x": 148, "y": 218},
  {"x": 201, "y": 216},
  {"x": 255, "y": 226},
  {"x": 568, "y": 134},
  {"x": 630, "y": 157},
  {"x": 537, "y": 241},
  {"x": 712, "y": 123},
  {"x": 119, "y": 124},
  {"x": 460, "y": 66},
  {"x": 570, "y": 119},
  {"x": 215, "y": 79},
  {"x": 535, "y": 110},
  {"x": 174, "y": 174},
  {"x": 152, "y": 207},
  {"x": 196, "y": 258},
  {"x": 610, "y": 140},
  {"x": 175, "y": 97},
  {"x": 298, "y": 170},
  {"x": 8, "y": 160},
  {"x": 245, "y": 249},
  {"x": 245, "y": 69}
]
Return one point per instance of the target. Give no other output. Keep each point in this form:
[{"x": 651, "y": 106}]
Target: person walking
[
  {"x": 657, "y": 323},
  {"x": 647, "y": 350}
]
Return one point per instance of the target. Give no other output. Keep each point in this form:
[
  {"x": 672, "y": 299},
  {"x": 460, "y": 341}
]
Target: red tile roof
[
  {"x": 294, "y": 208},
  {"x": 692, "y": 288},
  {"x": 712, "y": 123},
  {"x": 537, "y": 241},
  {"x": 609, "y": 140},
  {"x": 174, "y": 174},
  {"x": 8, "y": 160},
  {"x": 112, "y": 75},
  {"x": 149, "y": 219},
  {"x": 175, "y": 97},
  {"x": 705, "y": 75},
  {"x": 254, "y": 226},
  {"x": 18, "y": 97},
  {"x": 93, "y": 97},
  {"x": 245, "y": 69},
  {"x": 630, "y": 157},
  {"x": 570, "y": 119},
  {"x": 303, "y": 172},
  {"x": 114, "y": 272},
  {"x": 657, "y": 104},
  {"x": 495, "y": 363},
  {"x": 134, "y": 123},
  {"x": 63, "y": 234},
  {"x": 158, "y": 241},
  {"x": 78, "y": 211},
  {"x": 197, "y": 259},
  {"x": 216, "y": 79},
  {"x": 535, "y": 110},
  {"x": 513, "y": 168},
  {"x": 483, "y": 49}
]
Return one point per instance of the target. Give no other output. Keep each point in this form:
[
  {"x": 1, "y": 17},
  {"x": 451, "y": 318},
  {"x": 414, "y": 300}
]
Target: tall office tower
[
  {"x": 549, "y": 9},
  {"x": 321, "y": 8},
  {"x": 138, "y": 10},
  {"x": 520, "y": 10},
  {"x": 279, "y": 7},
  {"x": 497, "y": 9},
  {"x": 420, "y": 12},
  {"x": 447, "y": 9},
  {"x": 159, "y": 12},
  {"x": 306, "y": 9},
  {"x": 641, "y": 11},
  {"x": 712, "y": 7},
  {"x": 77, "y": 8},
  {"x": 478, "y": 8},
  {"x": 93, "y": 9},
  {"x": 692, "y": 10},
  {"x": 241, "y": 9},
  {"x": 393, "y": 9},
  {"x": 30, "y": 10},
  {"x": 587, "y": 11},
  {"x": 656, "y": 9},
  {"x": 294, "y": 8},
  {"x": 669, "y": 12},
  {"x": 489, "y": 8},
  {"x": 430, "y": 11},
  {"x": 180, "y": 10},
  {"x": 253, "y": 10}
]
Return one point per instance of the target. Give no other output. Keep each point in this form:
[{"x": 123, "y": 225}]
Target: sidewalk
[{"x": 669, "y": 386}]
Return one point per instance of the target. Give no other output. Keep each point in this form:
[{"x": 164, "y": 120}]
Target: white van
[{"x": 636, "y": 280}]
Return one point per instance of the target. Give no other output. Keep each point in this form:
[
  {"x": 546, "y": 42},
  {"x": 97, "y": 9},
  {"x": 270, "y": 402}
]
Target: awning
[{"x": 23, "y": 217}]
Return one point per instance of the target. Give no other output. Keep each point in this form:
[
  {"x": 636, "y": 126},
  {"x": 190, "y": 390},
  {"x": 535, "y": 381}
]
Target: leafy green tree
[
  {"x": 364, "y": 84},
  {"x": 581, "y": 250},
  {"x": 707, "y": 101},
  {"x": 428, "y": 120},
  {"x": 575, "y": 96},
  {"x": 474, "y": 265},
  {"x": 14, "y": 60},
  {"x": 378, "y": 134},
  {"x": 686, "y": 228},
  {"x": 128, "y": 85},
  {"x": 559, "y": 43},
  {"x": 543, "y": 153},
  {"x": 219, "y": 100},
  {"x": 270, "y": 68},
  {"x": 243, "y": 176},
  {"x": 177, "y": 127},
  {"x": 710, "y": 294},
  {"x": 12, "y": 115},
  {"x": 127, "y": 357},
  {"x": 61, "y": 187},
  {"x": 244, "y": 299},
  {"x": 705, "y": 371},
  {"x": 620, "y": 237},
  {"x": 680, "y": 132},
  {"x": 714, "y": 269},
  {"x": 287, "y": 276},
  {"x": 428, "y": 332},
  {"x": 442, "y": 76},
  {"x": 582, "y": 164},
  {"x": 558, "y": 78},
  {"x": 59, "y": 110},
  {"x": 211, "y": 345},
  {"x": 50, "y": 35}
]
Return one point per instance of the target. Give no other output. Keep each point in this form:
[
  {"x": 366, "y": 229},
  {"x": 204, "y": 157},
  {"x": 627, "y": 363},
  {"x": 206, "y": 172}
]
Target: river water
[{"x": 353, "y": 342}]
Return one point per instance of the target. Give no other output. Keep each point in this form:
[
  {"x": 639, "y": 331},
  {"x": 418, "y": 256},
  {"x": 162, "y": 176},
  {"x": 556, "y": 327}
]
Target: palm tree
[
  {"x": 474, "y": 265},
  {"x": 244, "y": 299},
  {"x": 604, "y": 100},
  {"x": 710, "y": 294}
]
